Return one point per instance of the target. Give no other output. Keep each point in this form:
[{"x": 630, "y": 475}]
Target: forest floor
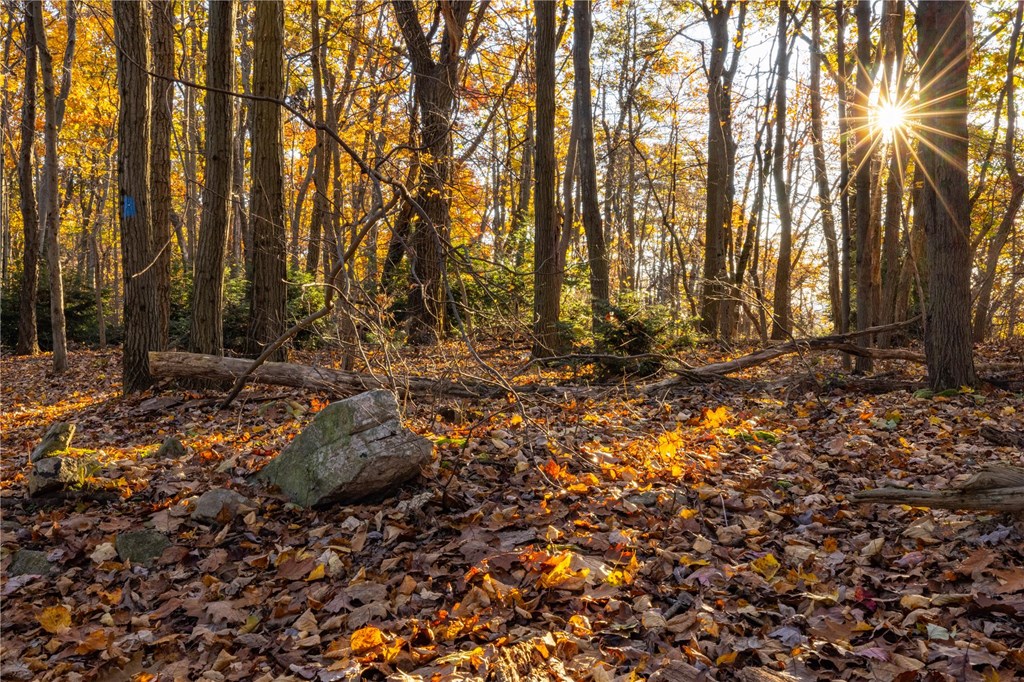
[{"x": 701, "y": 533}]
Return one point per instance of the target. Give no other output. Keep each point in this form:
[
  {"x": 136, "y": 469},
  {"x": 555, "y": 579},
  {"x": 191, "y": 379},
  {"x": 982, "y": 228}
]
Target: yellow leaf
[
  {"x": 767, "y": 566},
  {"x": 365, "y": 639},
  {"x": 727, "y": 659},
  {"x": 316, "y": 574},
  {"x": 55, "y": 619}
]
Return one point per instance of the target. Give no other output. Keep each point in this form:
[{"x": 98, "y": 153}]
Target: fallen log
[
  {"x": 179, "y": 365},
  {"x": 996, "y": 487}
]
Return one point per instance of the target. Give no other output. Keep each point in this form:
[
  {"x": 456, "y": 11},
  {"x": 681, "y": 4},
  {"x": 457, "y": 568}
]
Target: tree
[
  {"x": 28, "y": 339},
  {"x": 943, "y": 203},
  {"x": 828, "y": 221},
  {"x": 207, "y": 328},
  {"x": 546, "y": 289},
  {"x": 162, "y": 45},
  {"x": 597, "y": 252},
  {"x": 781, "y": 324},
  {"x": 268, "y": 291},
  {"x": 49, "y": 200},
  {"x": 720, "y": 172},
  {"x": 995, "y": 247},
  {"x": 434, "y": 89},
  {"x": 862, "y": 157},
  {"x": 141, "y": 330}
]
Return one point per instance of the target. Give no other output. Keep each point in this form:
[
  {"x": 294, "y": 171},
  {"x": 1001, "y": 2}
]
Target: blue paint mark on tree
[{"x": 129, "y": 207}]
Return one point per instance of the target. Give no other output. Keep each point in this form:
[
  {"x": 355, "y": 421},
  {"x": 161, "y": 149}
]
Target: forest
[{"x": 473, "y": 339}]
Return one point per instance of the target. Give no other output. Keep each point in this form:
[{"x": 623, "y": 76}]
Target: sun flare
[{"x": 888, "y": 119}]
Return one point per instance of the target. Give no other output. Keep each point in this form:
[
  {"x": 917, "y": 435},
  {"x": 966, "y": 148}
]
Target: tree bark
[
  {"x": 141, "y": 325},
  {"x": 28, "y": 337},
  {"x": 49, "y": 200},
  {"x": 828, "y": 222},
  {"x": 781, "y": 324},
  {"x": 597, "y": 252},
  {"x": 943, "y": 205},
  {"x": 997, "y": 487},
  {"x": 844, "y": 176},
  {"x": 162, "y": 49},
  {"x": 862, "y": 158},
  {"x": 267, "y": 312},
  {"x": 207, "y": 327},
  {"x": 546, "y": 292},
  {"x": 434, "y": 90}
]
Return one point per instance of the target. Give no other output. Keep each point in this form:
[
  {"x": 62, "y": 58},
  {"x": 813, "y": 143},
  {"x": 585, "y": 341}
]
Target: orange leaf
[
  {"x": 55, "y": 619},
  {"x": 365, "y": 639}
]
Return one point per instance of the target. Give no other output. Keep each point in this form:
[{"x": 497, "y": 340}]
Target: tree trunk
[
  {"x": 828, "y": 222},
  {"x": 320, "y": 160},
  {"x": 782, "y": 327},
  {"x": 207, "y": 328},
  {"x": 943, "y": 205},
  {"x": 434, "y": 90},
  {"x": 49, "y": 200},
  {"x": 597, "y": 252},
  {"x": 267, "y": 312},
  {"x": 999, "y": 239},
  {"x": 141, "y": 325},
  {"x": 28, "y": 338},
  {"x": 716, "y": 210},
  {"x": 546, "y": 292},
  {"x": 862, "y": 158},
  {"x": 162, "y": 44},
  {"x": 844, "y": 176}
]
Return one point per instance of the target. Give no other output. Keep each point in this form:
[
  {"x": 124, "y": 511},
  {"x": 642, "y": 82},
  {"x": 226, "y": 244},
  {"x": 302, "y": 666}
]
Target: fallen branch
[
  {"x": 195, "y": 365},
  {"x": 997, "y": 487}
]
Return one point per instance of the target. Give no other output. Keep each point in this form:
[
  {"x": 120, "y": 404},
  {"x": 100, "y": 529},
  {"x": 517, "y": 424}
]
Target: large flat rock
[{"x": 353, "y": 449}]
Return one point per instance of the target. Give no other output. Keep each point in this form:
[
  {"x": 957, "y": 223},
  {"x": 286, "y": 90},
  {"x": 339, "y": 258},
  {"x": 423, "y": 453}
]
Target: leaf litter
[{"x": 702, "y": 534}]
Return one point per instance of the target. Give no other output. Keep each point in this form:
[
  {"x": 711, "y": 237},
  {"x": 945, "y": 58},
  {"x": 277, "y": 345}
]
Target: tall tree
[
  {"x": 862, "y": 157},
  {"x": 943, "y": 203},
  {"x": 267, "y": 311},
  {"x": 131, "y": 31},
  {"x": 546, "y": 289},
  {"x": 828, "y": 221},
  {"x": 49, "y": 199},
  {"x": 597, "y": 252},
  {"x": 983, "y": 311},
  {"x": 844, "y": 176},
  {"x": 435, "y": 87},
  {"x": 207, "y": 328},
  {"x": 720, "y": 189},
  {"x": 28, "y": 338},
  {"x": 162, "y": 47},
  {"x": 781, "y": 324}
]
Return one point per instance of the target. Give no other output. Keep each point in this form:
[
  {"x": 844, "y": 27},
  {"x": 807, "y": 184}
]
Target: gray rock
[
  {"x": 219, "y": 504},
  {"x": 171, "y": 448},
  {"x": 29, "y": 562},
  {"x": 354, "y": 448},
  {"x": 55, "y": 473},
  {"x": 141, "y": 546},
  {"x": 57, "y": 439}
]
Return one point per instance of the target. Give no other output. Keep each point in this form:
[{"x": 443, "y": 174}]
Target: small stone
[
  {"x": 171, "y": 448},
  {"x": 57, "y": 439},
  {"x": 54, "y": 473},
  {"x": 29, "y": 562},
  {"x": 141, "y": 546},
  {"x": 219, "y": 504}
]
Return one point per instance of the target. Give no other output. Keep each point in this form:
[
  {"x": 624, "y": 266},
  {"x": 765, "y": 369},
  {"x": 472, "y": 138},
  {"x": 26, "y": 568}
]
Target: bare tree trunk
[
  {"x": 546, "y": 292},
  {"x": 944, "y": 210},
  {"x": 141, "y": 323},
  {"x": 207, "y": 328},
  {"x": 597, "y": 252},
  {"x": 28, "y": 338},
  {"x": 782, "y": 326},
  {"x": 162, "y": 44},
  {"x": 49, "y": 199},
  {"x": 828, "y": 221},
  {"x": 862, "y": 173},
  {"x": 267, "y": 312},
  {"x": 844, "y": 177}
]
